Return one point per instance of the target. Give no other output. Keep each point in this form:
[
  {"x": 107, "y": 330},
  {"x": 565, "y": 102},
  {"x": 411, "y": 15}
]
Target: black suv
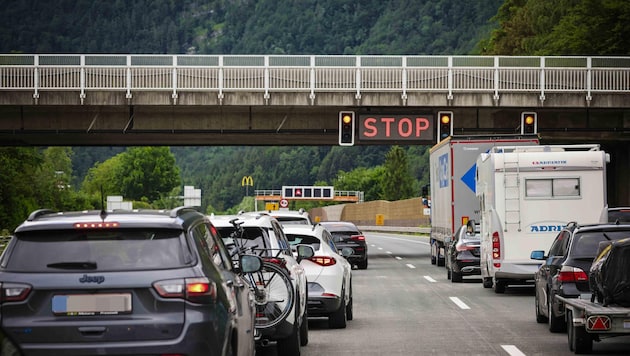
[
  {"x": 124, "y": 282},
  {"x": 565, "y": 268}
]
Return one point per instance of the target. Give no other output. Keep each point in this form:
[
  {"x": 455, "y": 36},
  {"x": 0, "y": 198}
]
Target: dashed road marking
[
  {"x": 512, "y": 350},
  {"x": 459, "y": 303},
  {"x": 398, "y": 258},
  {"x": 410, "y": 265},
  {"x": 430, "y": 279}
]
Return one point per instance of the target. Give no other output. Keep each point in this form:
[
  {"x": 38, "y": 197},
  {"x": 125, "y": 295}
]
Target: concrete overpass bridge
[{"x": 119, "y": 99}]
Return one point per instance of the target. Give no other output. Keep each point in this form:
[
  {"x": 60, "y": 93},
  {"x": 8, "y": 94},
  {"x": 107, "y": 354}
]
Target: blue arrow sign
[{"x": 469, "y": 178}]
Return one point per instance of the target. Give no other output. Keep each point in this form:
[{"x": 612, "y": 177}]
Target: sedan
[
  {"x": 564, "y": 270},
  {"x": 347, "y": 234},
  {"x": 462, "y": 253},
  {"x": 329, "y": 275}
]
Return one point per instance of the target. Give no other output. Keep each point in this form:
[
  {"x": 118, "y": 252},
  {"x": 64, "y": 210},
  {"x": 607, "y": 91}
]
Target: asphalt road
[{"x": 403, "y": 305}]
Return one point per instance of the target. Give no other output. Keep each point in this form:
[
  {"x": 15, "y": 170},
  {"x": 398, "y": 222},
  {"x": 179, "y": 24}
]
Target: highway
[{"x": 403, "y": 305}]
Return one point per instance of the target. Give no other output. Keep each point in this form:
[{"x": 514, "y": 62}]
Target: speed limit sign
[{"x": 284, "y": 203}]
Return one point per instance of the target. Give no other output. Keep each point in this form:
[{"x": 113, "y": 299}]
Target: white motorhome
[
  {"x": 527, "y": 194},
  {"x": 453, "y": 194}
]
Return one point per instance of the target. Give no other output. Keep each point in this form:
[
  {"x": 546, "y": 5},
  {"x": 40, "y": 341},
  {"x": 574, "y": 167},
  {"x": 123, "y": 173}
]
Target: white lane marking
[
  {"x": 512, "y": 350},
  {"x": 459, "y": 303},
  {"x": 428, "y": 278},
  {"x": 388, "y": 252},
  {"x": 410, "y": 265},
  {"x": 380, "y": 248},
  {"x": 398, "y": 258}
]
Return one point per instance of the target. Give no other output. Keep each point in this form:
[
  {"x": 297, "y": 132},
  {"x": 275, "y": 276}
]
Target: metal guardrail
[{"x": 313, "y": 74}]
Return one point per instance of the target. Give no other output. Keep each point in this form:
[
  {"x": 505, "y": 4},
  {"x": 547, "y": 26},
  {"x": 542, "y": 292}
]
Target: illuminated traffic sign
[
  {"x": 308, "y": 192},
  {"x": 385, "y": 127}
]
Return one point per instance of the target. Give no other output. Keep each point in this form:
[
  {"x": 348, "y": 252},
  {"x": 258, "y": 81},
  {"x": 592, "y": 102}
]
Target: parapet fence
[{"x": 313, "y": 74}]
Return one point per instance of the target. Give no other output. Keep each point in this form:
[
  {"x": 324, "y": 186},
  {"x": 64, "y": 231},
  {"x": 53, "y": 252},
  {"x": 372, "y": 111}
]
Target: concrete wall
[{"x": 408, "y": 212}]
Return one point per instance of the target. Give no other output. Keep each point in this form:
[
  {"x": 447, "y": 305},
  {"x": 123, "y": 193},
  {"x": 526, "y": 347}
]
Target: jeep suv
[
  {"x": 564, "y": 270},
  {"x": 124, "y": 282},
  {"x": 264, "y": 236}
]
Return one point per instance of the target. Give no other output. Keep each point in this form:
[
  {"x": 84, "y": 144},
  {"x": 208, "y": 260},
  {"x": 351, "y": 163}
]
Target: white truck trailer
[
  {"x": 527, "y": 195},
  {"x": 452, "y": 176}
]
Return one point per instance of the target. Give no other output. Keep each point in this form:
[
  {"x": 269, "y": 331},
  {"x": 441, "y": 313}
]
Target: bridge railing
[{"x": 313, "y": 74}]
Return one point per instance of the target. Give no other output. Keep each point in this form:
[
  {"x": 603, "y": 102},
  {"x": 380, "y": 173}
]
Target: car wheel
[
  {"x": 456, "y": 277},
  {"x": 304, "y": 330},
  {"x": 540, "y": 318},
  {"x": 290, "y": 346},
  {"x": 580, "y": 341},
  {"x": 499, "y": 286},
  {"x": 556, "y": 323},
  {"x": 363, "y": 264},
  {"x": 487, "y": 282},
  {"x": 350, "y": 307},
  {"x": 448, "y": 273},
  {"x": 337, "y": 320}
]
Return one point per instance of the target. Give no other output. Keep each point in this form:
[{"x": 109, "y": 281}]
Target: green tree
[
  {"x": 366, "y": 180},
  {"x": 18, "y": 193},
  {"x": 147, "y": 172},
  {"x": 397, "y": 183},
  {"x": 100, "y": 179}
]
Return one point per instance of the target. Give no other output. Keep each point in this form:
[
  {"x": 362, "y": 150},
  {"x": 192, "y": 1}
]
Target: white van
[{"x": 527, "y": 195}]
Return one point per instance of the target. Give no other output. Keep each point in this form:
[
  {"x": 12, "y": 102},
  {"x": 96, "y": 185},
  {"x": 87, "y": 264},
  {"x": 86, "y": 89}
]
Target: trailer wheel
[
  {"x": 487, "y": 282},
  {"x": 499, "y": 286},
  {"x": 433, "y": 254},
  {"x": 580, "y": 341}
]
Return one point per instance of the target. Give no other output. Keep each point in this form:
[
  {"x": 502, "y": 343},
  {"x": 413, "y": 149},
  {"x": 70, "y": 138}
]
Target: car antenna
[{"x": 103, "y": 212}]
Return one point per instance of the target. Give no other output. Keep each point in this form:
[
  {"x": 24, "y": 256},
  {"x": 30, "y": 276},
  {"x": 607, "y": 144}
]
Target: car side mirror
[
  {"x": 537, "y": 255},
  {"x": 304, "y": 251},
  {"x": 250, "y": 263},
  {"x": 346, "y": 252}
]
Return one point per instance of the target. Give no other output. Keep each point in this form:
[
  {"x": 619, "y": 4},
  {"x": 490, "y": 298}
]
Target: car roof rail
[
  {"x": 37, "y": 213},
  {"x": 573, "y": 223},
  {"x": 182, "y": 210}
]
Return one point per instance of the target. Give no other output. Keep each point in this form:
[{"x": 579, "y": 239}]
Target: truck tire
[
  {"x": 433, "y": 253},
  {"x": 580, "y": 341}
]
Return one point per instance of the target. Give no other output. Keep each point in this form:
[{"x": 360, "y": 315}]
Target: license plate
[{"x": 92, "y": 304}]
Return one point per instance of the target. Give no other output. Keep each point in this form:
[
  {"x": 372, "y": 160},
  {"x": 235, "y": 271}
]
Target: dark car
[
  {"x": 124, "y": 282},
  {"x": 564, "y": 270},
  {"x": 346, "y": 234},
  {"x": 462, "y": 253}
]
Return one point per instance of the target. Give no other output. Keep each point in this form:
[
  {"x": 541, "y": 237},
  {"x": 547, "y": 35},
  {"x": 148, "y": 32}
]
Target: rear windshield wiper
[{"x": 73, "y": 265}]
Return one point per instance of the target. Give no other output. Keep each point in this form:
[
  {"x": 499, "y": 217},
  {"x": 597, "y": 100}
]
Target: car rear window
[
  {"x": 297, "y": 239},
  {"x": 586, "y": 244},
  {"x": 293, "y": 220},
  {"x": 253, "y": 240},
  {"x": 111, "y": 250}
]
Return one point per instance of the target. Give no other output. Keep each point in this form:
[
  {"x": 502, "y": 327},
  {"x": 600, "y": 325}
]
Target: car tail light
[
  {"x": 496, "y": 248},
  {"x": 572, "y": 274},
  {"x": 323, "y": 260},
  {"x": 14, "y": 292},
  {"x": 357, "y": 238},
  {"x": 197, "y": 290},
  {"x": 465, "y": 247}
]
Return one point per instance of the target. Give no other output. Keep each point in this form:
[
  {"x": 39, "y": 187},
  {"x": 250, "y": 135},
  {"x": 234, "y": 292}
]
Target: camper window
[{"x": 552, "y": 188}]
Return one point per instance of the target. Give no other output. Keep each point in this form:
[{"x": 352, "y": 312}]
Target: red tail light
[
  {"x": 96, "y": 225},
  {"x": 357, "y": 238},
  {"x": 323, "y": 260},
  {"x": 572, "y": 274},
  {"x": 278, "y": 261},
  {"x": 197, "y": 290},
  {"x": 496, "y": 248},
  {"x": 14, "y": 292},
  {"x": 465, "y": 247}
]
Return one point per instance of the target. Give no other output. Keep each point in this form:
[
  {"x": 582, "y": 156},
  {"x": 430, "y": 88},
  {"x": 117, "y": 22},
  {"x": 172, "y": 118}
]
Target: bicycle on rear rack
[{"x": 272, "y": 286}]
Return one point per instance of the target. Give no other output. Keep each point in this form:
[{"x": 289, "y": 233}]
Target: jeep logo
[{"x": 92, "y": 279}]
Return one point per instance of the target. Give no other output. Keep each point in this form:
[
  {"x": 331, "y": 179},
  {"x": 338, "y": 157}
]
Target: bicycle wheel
[{"x": 274, "y": 295}]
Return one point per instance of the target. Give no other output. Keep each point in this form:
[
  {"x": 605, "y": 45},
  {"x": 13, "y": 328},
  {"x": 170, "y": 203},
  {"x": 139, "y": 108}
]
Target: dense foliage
[
  {"x": 561, "y": 27},
  {"x": 64, "y": 178}
]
